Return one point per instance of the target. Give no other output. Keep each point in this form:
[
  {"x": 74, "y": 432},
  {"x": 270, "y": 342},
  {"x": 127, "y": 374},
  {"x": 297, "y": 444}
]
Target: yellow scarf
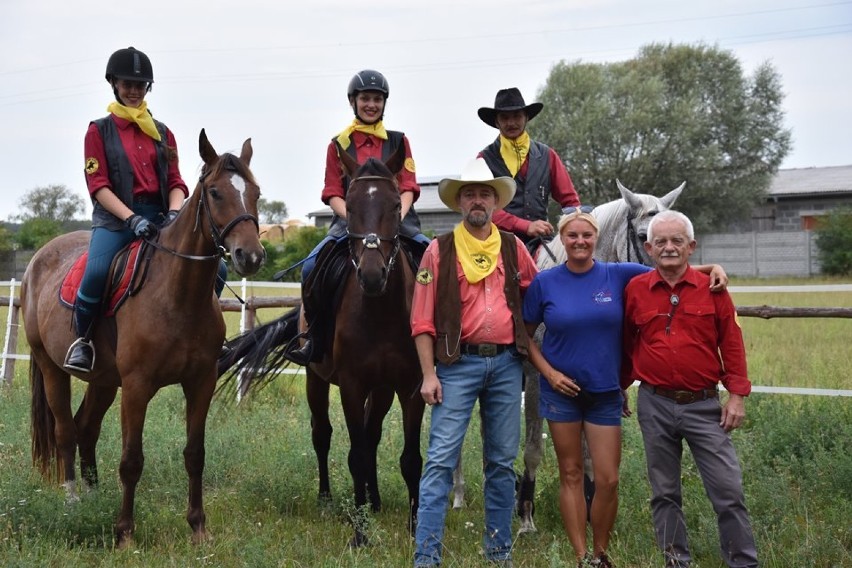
[
  {"x": 139, "y": 115},
  {"x": 514, "y": 152},
  {"x": 478, "y": 258},
  {"x": 376, "y": 129}
]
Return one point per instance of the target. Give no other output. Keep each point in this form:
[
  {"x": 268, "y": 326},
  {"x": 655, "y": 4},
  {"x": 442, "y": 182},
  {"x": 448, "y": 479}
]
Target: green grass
[{"x": 261, "y": 481}]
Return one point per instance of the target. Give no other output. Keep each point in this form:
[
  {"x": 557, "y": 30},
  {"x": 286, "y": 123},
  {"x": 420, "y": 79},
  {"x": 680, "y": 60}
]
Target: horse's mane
[
  {"x": 610, "y": 215},
  {"x": 232, "y": 163}
]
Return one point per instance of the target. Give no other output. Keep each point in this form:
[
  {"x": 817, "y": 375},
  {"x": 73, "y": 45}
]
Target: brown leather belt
[
  {"x": 482, "y": 349},
  {"x": 684, "y": 396}
]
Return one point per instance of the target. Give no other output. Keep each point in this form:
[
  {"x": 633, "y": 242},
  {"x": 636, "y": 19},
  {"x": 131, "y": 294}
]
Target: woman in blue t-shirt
[{"x": 581, "y": 304}]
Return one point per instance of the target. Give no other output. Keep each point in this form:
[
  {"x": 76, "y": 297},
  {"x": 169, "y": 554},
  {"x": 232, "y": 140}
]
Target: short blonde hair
[{"x": 577, "y": 213}]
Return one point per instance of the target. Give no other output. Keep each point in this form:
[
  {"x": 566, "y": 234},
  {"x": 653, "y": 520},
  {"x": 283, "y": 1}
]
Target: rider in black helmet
[
  {"x": 366, "y": 137},
  {"x": 132, "y": 173}
]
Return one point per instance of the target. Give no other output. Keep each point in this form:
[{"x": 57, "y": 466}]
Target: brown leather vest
[{"x": 448, "y": 309}]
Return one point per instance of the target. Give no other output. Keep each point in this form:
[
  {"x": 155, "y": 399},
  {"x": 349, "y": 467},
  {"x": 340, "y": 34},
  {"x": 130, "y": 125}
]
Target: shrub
[{"x": 834, "y": 239}]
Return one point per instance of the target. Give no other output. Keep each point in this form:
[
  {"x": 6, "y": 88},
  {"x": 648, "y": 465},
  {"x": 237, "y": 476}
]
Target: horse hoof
[
  {"x": 360, "y": 540},
  {"x": 201, "y": 536},
  {"x": 124, "y": 541}
]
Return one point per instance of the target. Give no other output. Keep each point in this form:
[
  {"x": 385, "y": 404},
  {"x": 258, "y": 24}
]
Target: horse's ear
[
  {"x": 669, "y": 198},
  {"x": 629, "y": 197},
  {"x": 350, "y": 165},
  {"x": 397, "y": 160},
  {"x": 246, "y": 152},
  {"x": 208, "y": 154}
]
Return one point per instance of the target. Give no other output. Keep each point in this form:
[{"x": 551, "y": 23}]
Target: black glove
[
  {"x": 169, "y": 217},
  {"x": 141, "y": 226}
]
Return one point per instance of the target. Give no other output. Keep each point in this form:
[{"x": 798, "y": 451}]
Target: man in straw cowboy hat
[
  {"x": 536, "y": 168},
  {"x": 470, "y": 344}
]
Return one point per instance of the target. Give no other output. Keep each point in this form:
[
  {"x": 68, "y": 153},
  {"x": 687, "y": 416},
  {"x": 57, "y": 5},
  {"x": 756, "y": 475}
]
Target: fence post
[
  {"x": 7, "y": 372},
  {"x": 754, "y": 263}
]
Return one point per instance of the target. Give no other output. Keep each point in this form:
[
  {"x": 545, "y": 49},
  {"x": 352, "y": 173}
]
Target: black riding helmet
[
  {"x": 368, "y": 80},
  {"x": 130, "y": 64}
]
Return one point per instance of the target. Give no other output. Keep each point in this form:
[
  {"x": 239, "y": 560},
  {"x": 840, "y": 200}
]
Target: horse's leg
[
  {"x": 134, "y": 405},
  {"x": 354, "y": 398},
  {"x": 458, "y": 485},
  {"x": 411, "y": 460},
  {"x": 52, "y": 385},
  {"x": 317, "y": 394},
  {"x": 198, "y": 394},
  {"x": 377, "y": 407},
  {"x": 532, "y": 450},
  {"x": 88, "y": 420}
]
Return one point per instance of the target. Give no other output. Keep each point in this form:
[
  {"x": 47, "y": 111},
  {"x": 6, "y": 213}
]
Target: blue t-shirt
[{"x": 583, "y": 315}]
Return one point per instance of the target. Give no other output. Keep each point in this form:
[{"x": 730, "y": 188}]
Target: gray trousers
[{"x": 665, "y": 425}]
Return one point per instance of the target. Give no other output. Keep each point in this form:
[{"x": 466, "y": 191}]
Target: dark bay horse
[
  {"x": 623, "y": 228},
  {"x": 372, "y": 355},
  {"x": 169, "y": 332}
]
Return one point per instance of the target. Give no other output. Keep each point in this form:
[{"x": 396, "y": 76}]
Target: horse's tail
[
  {"x": 42, "y": 425},
  {"x": 257, "y": 354}
]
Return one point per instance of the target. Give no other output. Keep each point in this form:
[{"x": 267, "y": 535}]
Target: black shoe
[
  {"x": 304, "y": 354},
  {"x": 81, "y": 356}
]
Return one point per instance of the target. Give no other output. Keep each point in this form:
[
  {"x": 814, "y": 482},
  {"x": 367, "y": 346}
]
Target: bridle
[
  {"x": 371, "y": 241},
  {"x": 216, "y": 233},
  {"x": 633, "y": 241}
]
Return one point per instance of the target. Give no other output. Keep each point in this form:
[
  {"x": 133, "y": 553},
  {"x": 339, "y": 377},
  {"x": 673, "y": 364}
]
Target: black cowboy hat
[{"x": 508, "y": 100}]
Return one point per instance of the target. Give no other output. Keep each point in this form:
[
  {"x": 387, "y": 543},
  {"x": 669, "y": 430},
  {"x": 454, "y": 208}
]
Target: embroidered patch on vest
[
  {"x": 92, "y": 165},
  {"x": 409, "y": 164},
  {"x": 424, "y": 276}
]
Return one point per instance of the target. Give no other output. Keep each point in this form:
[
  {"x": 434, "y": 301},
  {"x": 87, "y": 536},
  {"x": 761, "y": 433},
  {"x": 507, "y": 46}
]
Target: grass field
[{"x": 261, "y": 481}]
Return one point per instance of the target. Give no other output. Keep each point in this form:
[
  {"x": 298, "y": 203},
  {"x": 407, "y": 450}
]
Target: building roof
[{"x": 811, "y": 181}]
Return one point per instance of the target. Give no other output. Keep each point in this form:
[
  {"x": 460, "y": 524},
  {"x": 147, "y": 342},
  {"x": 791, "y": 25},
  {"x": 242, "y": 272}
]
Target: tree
[
  {"x": 52, "y": 202},
  {"x": 272, "y": 212},
  {"x": 834, "y": 240},
  {"x": 35, "y": 233},
  {"x": 674, "y": 113},
  {"x": 295, "y": 248}
]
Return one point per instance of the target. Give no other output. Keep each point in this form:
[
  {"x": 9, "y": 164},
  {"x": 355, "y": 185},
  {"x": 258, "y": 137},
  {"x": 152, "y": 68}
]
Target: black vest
[
  {"x": 410, "y": 225},
  {"x": 121, "y": 172},
  {"x": 530, "y": 201}
]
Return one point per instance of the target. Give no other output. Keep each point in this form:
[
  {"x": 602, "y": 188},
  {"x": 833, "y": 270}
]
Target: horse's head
[
  {"x": 641, "y": 209},
  {"x": 228, "y": 195},
  {"x": 373, "y": 216}
]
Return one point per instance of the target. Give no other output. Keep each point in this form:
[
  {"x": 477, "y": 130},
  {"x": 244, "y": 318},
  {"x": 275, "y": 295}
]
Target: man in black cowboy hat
[{"x": 536, "y": 168}]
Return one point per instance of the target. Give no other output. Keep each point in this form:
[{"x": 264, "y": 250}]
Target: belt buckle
[
  {"x": 684, "y": 397},
  {"x": 487, "y": 350}
]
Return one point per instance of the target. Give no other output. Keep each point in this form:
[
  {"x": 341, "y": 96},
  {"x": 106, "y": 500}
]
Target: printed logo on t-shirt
[{"x": 603, "y": 297}]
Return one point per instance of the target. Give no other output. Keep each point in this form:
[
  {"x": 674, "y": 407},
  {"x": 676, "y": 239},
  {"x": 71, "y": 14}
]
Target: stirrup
[{"x": 83, "y": 343}]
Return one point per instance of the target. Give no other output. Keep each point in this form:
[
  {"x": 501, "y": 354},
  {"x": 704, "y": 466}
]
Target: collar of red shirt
[{"x": 690, "y": 277}]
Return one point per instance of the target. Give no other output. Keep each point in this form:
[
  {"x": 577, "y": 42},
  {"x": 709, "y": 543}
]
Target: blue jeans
[{"x": 496, "y": 383}]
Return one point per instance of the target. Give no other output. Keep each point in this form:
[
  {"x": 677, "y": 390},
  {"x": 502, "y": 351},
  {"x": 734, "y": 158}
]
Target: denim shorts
[{"x": 601, "y": 408}]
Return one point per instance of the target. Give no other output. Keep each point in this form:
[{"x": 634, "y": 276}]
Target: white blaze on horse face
[
  {"x": 240, "y": 185},
  {"x": 371, "y": 191}
]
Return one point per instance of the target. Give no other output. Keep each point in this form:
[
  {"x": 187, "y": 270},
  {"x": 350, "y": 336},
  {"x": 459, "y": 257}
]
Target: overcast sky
[{"x": 277, "y": 71}]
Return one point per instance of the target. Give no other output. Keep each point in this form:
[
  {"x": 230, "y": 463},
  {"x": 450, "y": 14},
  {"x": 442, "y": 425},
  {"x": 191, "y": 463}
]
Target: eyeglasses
[
  {"x": 578, "y": 209},
  {"x": 674, "y": 300}
]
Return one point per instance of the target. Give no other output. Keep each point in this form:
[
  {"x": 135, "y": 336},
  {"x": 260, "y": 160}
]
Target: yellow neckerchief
[
  {"x": 376, "y": 129},
  {"x": 514, "y": 152},
  {"x": 478, "y": 258},
  {"x": 139, "y": 115}
]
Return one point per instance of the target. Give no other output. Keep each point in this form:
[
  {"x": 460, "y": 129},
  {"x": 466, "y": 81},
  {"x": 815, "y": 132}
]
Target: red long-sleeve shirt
[{"x": 704, "y": 343}]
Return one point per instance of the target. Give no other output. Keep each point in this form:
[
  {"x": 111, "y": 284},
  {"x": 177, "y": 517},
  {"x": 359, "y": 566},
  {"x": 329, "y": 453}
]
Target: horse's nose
[{"x": 248, "y": 262}]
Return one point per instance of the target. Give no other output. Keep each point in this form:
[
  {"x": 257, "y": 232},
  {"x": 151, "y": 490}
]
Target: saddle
[
  {"x": 126, "y": 275},
  {"x": 322, "y": 292}
]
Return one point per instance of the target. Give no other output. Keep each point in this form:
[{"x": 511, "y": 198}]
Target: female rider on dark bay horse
[
  {"x": 134, "y": 182},
  {"x": 366, "y": 137}
]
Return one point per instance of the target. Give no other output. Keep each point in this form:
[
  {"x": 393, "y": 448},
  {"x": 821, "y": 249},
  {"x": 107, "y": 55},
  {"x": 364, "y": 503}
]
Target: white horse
[{"x": 623, "y": 229}]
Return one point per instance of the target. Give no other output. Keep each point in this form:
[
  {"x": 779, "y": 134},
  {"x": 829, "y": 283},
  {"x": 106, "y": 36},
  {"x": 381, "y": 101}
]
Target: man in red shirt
[
  {"x": 536, "y": 168},
  {"x": 468, "y": 328},
  {"x": 681, "y": 340}
]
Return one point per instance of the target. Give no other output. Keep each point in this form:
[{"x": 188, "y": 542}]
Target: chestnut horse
[
  {"x": 170, "y": 331},
  {"x": 372, "y": 354}
]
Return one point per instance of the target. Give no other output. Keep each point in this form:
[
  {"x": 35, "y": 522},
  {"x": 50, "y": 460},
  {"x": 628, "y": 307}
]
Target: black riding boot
[
  {"x": 309, "y": 352},
  {"x": 81, "y": 354}
]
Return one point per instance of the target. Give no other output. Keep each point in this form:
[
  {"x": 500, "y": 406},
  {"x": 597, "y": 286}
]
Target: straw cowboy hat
[
  {"x": 508, "y": 100},
  {"x": 476, "y": 172}
]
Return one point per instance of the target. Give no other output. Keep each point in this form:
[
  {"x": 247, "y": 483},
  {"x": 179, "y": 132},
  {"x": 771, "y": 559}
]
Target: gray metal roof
[{"x": 812, "y": 181}]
